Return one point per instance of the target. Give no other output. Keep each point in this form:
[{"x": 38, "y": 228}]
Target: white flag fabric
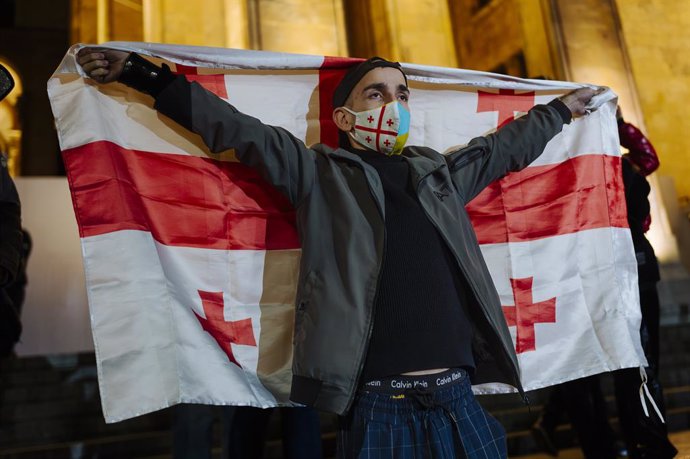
[{"x": 191, "y": 259}]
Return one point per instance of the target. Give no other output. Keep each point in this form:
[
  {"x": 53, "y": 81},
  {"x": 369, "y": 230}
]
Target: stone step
[
  {"x": 66, "y": 362},
  {"x": 518, "y": 421},
  {"x": 133, "y": 445},
  {"x": 674, "y": 296},
  {"x": 148, "y": 445},
  {"x": 674, "y": 398},
  {"x": 72, "y": 427},
  {"x": 672, "y": 335},
  {"x": 156, "y": 444},
  {"x": 28, "y": 411},
  {"x": 49, "y": 392},
  {"x": 30, "y": 378},
  {"x": 52, "y": 405}
]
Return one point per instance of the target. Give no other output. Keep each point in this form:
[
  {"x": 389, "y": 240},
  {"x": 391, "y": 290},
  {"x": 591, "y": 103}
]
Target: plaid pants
[{"x": 442, "y": 423}]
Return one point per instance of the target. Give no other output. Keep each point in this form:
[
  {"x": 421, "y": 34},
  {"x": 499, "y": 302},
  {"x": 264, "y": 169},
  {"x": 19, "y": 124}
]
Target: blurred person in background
[
  {"x": 644, "y": 431},
  {"x": 646, "y": 436},
  {"x": 10, "y": 242}
]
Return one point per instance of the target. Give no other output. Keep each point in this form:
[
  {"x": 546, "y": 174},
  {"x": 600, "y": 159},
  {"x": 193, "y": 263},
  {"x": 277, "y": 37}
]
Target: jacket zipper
[
  {"x": 460, "y": 163},
  {"x": 470, "y": 281},
  {"x": 370, "y": 329},
  {"x": 466, "y": 159}
]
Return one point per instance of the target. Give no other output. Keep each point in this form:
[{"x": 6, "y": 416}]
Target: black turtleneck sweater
[{"x": 420, "y": 321}]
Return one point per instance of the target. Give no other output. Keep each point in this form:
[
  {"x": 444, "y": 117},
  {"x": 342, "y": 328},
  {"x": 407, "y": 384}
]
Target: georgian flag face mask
[{"x": 384, "y": 129}]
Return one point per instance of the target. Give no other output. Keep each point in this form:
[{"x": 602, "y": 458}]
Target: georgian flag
[{"x": 191, "y": 259}]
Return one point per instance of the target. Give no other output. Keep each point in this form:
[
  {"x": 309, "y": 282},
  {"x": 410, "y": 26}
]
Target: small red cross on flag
[
  {"x": 381, "y": 135},
  {"x": 225, "y": 333},
  {"x": 525, "y": 314},
  {"x": 506, "y": 103}
]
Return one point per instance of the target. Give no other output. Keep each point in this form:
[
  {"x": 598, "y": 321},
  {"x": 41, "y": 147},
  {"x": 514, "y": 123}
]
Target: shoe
[{"x": 543, "y": 437}]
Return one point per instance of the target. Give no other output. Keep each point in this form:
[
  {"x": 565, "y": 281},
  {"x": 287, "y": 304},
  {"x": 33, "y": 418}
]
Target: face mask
[{"x": 384, "y": 129}]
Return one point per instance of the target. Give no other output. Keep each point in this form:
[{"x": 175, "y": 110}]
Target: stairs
[{"x": 50, "y": 408}]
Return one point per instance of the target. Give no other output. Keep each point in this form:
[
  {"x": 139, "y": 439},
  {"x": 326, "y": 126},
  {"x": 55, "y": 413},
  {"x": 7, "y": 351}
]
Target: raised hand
[
  {"x": 578, "y": 99},
  {"x": 102, "y": 64}
]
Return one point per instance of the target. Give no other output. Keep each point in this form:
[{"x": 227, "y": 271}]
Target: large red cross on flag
[
  {"x": 526, "y": 313},
  {"x": 223, "y": 331},
  {"x": 166, "y": 226}
]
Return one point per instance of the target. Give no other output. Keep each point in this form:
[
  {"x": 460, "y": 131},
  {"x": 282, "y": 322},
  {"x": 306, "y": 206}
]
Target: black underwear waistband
[{"x": 401, "y": 383}]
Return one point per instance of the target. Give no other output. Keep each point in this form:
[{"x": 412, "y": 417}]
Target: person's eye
[
  {"x": 375, "y": 95},
  {"x": 404, "y": 97}
]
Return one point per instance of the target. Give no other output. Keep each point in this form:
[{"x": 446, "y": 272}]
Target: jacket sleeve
[
  {"x": 511, "y": 148},
  {"x": 641, "y": 151},
  {"x": 278, "y": 156}
]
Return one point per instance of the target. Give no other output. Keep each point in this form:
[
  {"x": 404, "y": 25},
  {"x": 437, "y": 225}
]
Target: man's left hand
[{"x": 578, "y": 99}]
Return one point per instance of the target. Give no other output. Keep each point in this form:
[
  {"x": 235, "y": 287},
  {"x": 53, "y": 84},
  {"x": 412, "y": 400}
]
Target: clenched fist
[{"x": 102, "y": 64}]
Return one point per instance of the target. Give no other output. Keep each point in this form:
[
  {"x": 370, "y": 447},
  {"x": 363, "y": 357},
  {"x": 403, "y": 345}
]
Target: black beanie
[
  {"x": 350, "y": 80},
  {"x": 352, "y": 77}
]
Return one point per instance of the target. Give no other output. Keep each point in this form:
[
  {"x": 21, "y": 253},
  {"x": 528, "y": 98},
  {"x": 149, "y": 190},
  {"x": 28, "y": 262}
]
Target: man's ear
[{"x": 343, "y": 119}]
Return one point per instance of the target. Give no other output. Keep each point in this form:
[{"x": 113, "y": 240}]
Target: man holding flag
[{"x": 396, "y": 310}]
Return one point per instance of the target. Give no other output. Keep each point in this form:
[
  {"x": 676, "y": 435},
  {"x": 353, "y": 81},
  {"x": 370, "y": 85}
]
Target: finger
[
  {"x": 99, "y": 72},
  {"x": 586, "y": 93},
  {"x": 85, "y": 51},
  {"x": 586, "y": 96},
  {"x": 88, "y": 57},
  {"x": 88, "y": 53},
  {"x": 91, "y": 49},
  {"x": 93, "y": 65}
]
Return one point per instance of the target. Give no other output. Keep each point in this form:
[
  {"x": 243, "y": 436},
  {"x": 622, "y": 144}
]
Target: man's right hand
[{"x": 102, "y": 64}]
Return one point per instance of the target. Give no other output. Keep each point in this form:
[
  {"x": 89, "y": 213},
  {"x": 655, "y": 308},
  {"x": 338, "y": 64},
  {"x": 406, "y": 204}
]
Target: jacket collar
[{"x": 422, "y": 161}]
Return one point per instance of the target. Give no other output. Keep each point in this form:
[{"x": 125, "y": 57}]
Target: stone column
[
  {"x": 402, "y": 30},
  {"x": 657, "y": 40},
  {"x": 593, "y": 50},
  {"x": 301, "y": 26}
]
